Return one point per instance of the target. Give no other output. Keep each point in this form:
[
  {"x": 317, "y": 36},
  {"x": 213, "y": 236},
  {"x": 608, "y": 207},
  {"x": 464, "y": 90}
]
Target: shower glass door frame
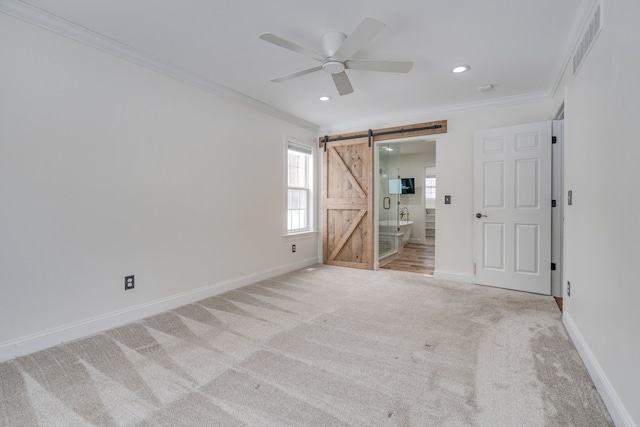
[{"x": 388, "y": 155}]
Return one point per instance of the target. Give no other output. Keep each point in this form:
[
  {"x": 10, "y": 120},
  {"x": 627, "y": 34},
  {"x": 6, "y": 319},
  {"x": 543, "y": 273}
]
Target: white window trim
[
  {"x": 311, "y": 227},
  {"x": 427, "y": 176}
]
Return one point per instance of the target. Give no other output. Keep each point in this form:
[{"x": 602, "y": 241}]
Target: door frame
[
  {"x": 430, "y": 138},
  {"x": 374, "y": 135},
  {"x": 557, "y": 212}
]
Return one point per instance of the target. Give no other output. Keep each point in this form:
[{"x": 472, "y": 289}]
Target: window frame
[
  {"x": 427, "y": 187},
  {"x": 309, "y": 189}
]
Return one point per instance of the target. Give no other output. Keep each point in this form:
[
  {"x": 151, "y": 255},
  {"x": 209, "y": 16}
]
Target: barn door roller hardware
[{"x": 428, "y": 128}]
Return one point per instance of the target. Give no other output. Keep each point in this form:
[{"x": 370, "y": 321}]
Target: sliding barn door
[{"x": 348, "y": 204}]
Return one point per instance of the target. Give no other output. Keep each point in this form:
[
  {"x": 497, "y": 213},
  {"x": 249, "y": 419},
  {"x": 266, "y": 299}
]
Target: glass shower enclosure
[{"x": 389, "y": 197}]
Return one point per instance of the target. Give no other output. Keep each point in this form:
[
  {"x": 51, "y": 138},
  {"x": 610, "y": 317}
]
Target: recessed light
[
  {"x": 325, "y": 98},
  {"x": 460, "y": 69}
]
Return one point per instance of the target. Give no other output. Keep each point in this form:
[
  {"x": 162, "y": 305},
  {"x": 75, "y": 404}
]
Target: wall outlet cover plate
[{"x": 129, "y": 282}]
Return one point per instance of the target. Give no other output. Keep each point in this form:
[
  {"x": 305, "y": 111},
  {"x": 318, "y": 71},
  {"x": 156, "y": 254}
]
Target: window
[
  {"x": 430, "y": 187},
  {"x": 299, "y": 185}
]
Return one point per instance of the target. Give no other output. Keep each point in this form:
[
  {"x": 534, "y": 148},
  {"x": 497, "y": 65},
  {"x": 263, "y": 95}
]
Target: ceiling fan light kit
[
  {"x": 333, "y": 67},
  {"x": 337, "y": 51}
]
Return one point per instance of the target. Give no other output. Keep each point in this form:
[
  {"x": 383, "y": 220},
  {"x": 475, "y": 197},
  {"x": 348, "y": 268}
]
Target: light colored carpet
[{"x": 327, "y": 346}]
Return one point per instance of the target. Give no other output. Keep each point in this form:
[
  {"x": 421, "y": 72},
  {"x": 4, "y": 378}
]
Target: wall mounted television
[
  {"x": 401, "y": 186},
  {"x": 408, "y": 186}
]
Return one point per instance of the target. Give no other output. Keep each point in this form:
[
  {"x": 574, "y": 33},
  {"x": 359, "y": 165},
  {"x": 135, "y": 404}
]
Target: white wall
[
  {"x": 602, "y": 232},
  {"x": 108, "y": 169},
  {"x": 454, "y": 160}
]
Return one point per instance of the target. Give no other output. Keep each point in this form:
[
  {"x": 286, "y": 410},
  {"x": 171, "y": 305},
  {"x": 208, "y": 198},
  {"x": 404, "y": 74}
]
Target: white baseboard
[
  {"x": 456, "y": 277},
  {"x": 616, "y": 408},
  {"x": 73, "y": 331}
]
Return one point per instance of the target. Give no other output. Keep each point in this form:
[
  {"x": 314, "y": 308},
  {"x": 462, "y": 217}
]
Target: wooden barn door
[{"x": 348, "y": 204}]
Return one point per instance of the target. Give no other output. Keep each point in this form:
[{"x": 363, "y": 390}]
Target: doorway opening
[{"x": 404, "y": 206}]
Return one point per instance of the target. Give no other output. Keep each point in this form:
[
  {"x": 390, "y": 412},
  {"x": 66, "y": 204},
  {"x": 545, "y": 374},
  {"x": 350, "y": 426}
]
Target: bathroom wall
[{"x": 412, "y": 166}]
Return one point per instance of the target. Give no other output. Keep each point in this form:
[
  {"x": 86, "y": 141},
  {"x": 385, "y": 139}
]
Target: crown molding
[
  {"x": 38, "y": 17},
  {"x": 423, "y": 115}
]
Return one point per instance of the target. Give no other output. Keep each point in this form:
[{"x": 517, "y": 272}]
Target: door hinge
[
  {"x": 553, "y": 266},
  {"x": 553, "y": 203},
  {"x": 554, "y": 140},
  {"x": 474, "y": 268}
]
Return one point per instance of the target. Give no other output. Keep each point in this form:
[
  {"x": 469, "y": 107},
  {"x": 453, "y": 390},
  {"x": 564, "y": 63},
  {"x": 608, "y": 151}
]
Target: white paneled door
[{"x": 512, "y": 207}]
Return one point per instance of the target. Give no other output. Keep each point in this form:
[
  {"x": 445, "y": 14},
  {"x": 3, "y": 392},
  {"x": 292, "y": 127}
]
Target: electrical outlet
[
  {"x": 129, "y": 282},
  {"x": 568, "y": 288},
  {"x": 293, "y": 248}
]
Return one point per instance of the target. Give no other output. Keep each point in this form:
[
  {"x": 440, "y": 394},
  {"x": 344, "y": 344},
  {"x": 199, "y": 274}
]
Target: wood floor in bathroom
[{"x": 416, "y": 257}]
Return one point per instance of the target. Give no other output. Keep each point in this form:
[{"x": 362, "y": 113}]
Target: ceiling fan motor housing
[{"x": 331, "y": 41}]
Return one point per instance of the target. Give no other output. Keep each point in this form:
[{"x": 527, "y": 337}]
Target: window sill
[{"x": 300, "y": 236}]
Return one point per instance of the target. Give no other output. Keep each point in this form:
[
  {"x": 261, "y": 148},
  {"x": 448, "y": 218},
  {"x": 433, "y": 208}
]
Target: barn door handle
[
  {"x": 479, "y": 215},
  {"x": 386, "y": 202}
]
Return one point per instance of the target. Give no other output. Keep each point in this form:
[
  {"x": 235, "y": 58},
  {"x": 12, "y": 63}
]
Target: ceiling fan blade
[
  {"x": 297, "y": 74},
  {"x": 342, "y": 83},
  {"x": 385, "y": 66},
  {"x": 278, "y": 41},
  {"x": 367, "y": 30}
]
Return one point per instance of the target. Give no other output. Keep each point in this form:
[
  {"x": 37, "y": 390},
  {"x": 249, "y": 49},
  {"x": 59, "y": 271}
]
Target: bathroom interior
[{"x": 406, "y": 204}]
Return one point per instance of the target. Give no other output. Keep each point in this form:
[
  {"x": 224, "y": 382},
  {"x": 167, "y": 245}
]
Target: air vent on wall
[{"x": 588, "y": 38}]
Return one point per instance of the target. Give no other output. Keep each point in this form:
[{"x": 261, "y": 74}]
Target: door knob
[{"x": 479, "y": 215}]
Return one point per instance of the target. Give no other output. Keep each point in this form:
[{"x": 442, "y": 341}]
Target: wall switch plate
[
  {"x": 447, "y": 200},
  {"x": 129, "y": 282}
]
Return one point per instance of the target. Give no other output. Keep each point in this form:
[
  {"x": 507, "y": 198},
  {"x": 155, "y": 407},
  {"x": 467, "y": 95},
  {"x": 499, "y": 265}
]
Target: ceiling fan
[{"x": 337, "y": 51}]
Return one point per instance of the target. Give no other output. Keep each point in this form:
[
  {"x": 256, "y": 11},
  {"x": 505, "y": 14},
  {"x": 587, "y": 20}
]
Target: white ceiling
[{"x": 518, "y": 46}]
